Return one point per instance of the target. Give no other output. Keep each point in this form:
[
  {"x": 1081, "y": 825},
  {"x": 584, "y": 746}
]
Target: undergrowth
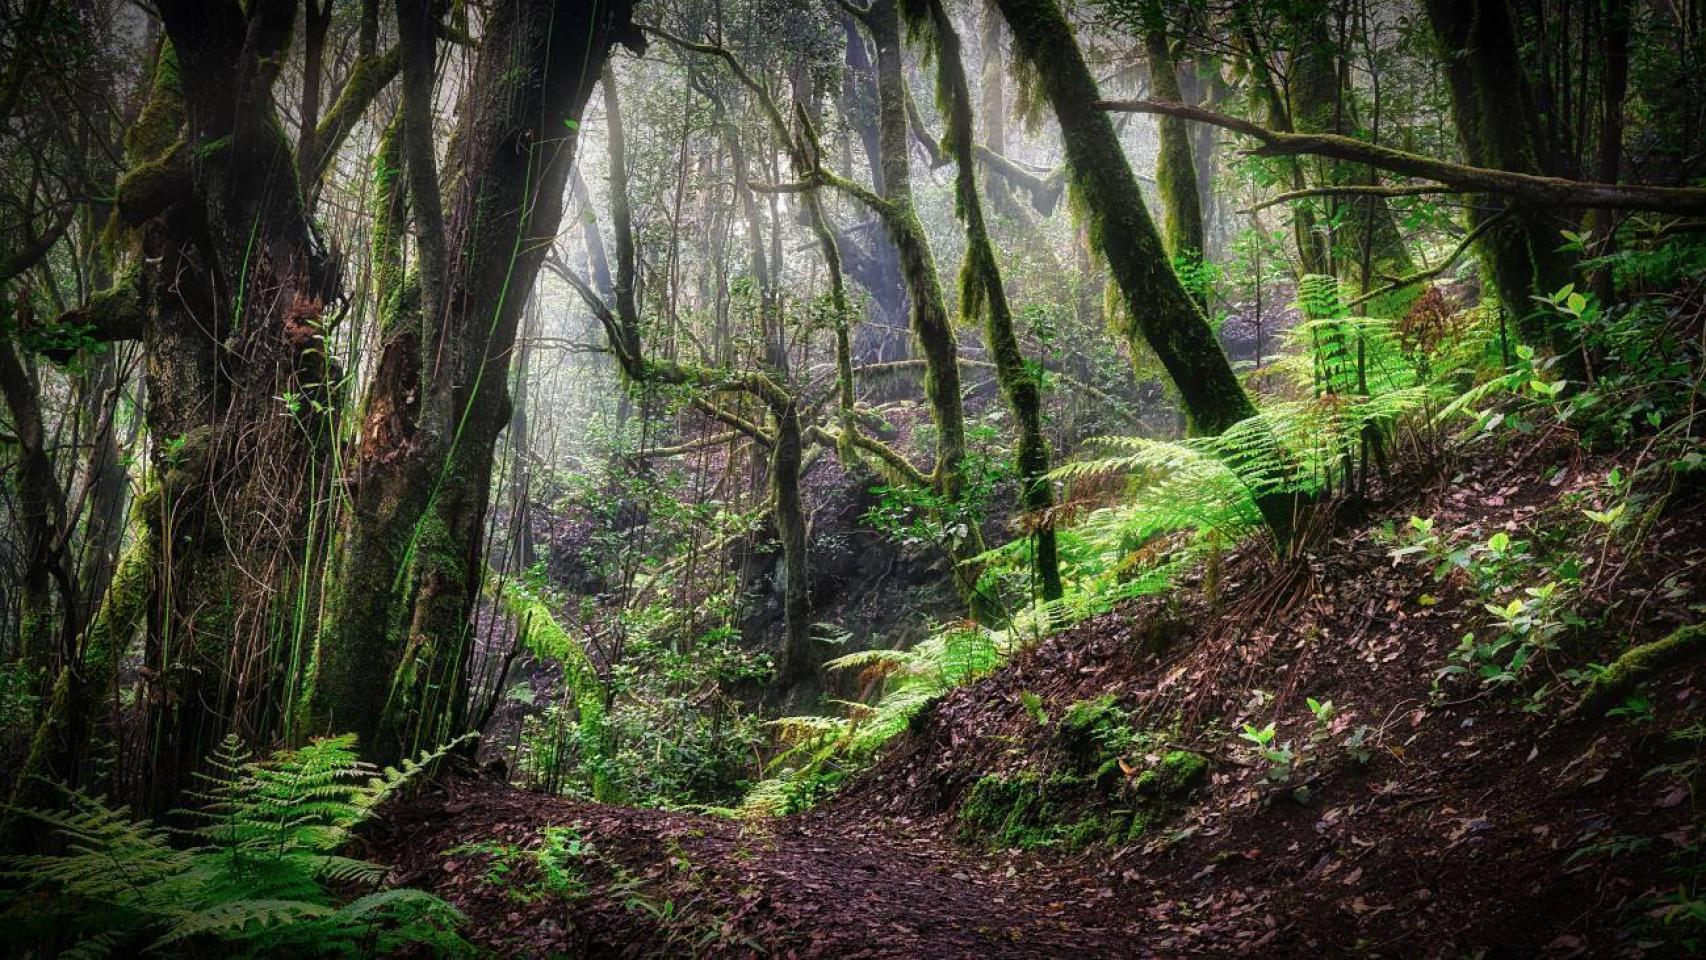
[
  {"x": 259, "y": 875},
  {"x": 1354, "y": 392}
]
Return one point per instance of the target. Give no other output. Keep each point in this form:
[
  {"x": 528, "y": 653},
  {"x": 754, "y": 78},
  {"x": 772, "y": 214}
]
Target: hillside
[{"x": 1423, "y": 817}]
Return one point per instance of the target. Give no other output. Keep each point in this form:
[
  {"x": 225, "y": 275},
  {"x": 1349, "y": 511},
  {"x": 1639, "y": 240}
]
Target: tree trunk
[
  {"x": 982, "y": 291},
  {"x": 1159, "y": 311},
  {"x": 1175, "y": 169},
  {"x": 1317, "y": 107},
  {"x": 1489, "y": 97},
  {"x": 504, "y": 180}
]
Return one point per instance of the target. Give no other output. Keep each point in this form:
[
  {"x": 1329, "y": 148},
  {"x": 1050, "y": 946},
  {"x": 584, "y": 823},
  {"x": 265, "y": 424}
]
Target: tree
[
  {"x": 982, "y": 292},
  {"x": 411, "y": 551}
]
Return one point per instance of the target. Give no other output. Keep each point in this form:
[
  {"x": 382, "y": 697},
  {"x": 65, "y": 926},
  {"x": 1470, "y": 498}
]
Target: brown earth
[{"x": 1481, "y": 824}]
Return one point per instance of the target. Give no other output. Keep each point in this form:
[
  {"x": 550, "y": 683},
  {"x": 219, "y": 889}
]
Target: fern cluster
[
  {"x": 1353, "y": 380},
  {"x": 821, "y": 751},
  {"x": 259, "y": 876}
]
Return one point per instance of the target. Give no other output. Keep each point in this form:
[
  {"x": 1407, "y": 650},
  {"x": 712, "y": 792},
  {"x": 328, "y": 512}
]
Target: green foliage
[
  {"x": 1278, "y": 758},
  {"x": 1096, "y": 735},
  {"x": 672, "y": 735},
  {"x": 546, "y": 638},
  {"x": 18, "y": 700},
  {"x": 920, "y": 517},
  {"x": 821, "y": 751},
  {"x": 1525, "y": 621},
  {"x": 260, "y": 877},
  {"x": 555, "y": 868}
]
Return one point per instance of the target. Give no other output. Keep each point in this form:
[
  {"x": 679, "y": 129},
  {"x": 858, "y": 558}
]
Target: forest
[{"x": 852, "y": 478}]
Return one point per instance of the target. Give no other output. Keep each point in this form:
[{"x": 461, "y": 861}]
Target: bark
[
  {"x": 1175, "y": 169},
  {"x": 1539, "y": 191},
  {"x": 929, "y": 315},
  {"x": 930, "y": 325},
  {"x": 1317, "y": 107},
  {"x": 1478, "y": 45},
  {"x": 42, "y": 516},
  {"x": 1614, "y": 87},
  {"x": 873, "y": 263},
  {"x": 1311, "y": 245},
  {"x": 522, "y": 552},
  {"x": 800, "y": 656},
  {"x": 63, "y": 737},
  {"x": 502, "y": 189}
]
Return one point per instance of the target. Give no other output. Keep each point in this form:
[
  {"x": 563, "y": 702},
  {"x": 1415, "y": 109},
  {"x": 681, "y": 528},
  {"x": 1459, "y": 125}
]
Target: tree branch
[
  {"x": 1433, "y": 271},
  {"x": 1354, "y": 190},
  {"x": 1528, "y": 189},
  {"x": 370, "y": 75}
]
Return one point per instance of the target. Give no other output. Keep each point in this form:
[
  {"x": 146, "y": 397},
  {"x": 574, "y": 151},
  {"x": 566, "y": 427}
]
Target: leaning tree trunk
[
  {"x": 505, "y": 175},
  {"x": 1159, "y": 310}
]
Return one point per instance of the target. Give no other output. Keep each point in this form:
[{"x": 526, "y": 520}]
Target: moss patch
[
  {"x": 1026, "y": 811},
  {"x": 1094, "y": 735},
  {"x": 1178, "y": 774}
]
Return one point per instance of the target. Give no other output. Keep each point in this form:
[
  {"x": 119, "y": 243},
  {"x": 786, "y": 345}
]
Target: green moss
[
  {"x": 1640, "y": 665},
  {"x": 1011, "y": 811},
  {"x": 156, "y": 128},
  {"x": 153, "y": 184},
  {"x": 1094, "y": 734},
  {"x": 1178, "y": 773},
  {"x": 1028, "y": 810}
]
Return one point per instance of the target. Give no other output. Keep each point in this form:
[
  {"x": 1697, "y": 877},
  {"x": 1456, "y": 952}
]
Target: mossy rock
[
  {"x": 1014, "y": 811},
  {"x": 1093, "y": 734},
  {"x": 1175, "y": 777}
]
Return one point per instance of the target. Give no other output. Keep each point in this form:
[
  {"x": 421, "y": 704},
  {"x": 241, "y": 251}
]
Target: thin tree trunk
[{"x": 982, "y": 291}]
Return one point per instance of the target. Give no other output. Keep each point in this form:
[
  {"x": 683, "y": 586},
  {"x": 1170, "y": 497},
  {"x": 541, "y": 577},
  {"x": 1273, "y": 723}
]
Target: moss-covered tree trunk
[
  {"x": 40, "y": 515},
  {"x": 1175, "y": 168},
  {"x": 235, "y": 382},
  {"x": 982, "y": 292},
  {"x": 1492, "y": 108},
  {"x": 1159, "y": 310},
  {"x": 395, "y": 651},
  {"x": 929, "y": 314},
  {"x": 929, "y": 322},
  {"x": 65, "y": 734},
  {"x": 227, "y": 286}
]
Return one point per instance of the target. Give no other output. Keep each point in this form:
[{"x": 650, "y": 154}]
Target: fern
[
  {"x": 255, "y": 880},
  {"x": 547, "y": 639}
]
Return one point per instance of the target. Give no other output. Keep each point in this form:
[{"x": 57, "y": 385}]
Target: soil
[{"x": 1468, "y": 822}]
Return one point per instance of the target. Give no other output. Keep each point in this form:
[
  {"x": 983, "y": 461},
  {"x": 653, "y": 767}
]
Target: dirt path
[{"x": 539, "y": 876}]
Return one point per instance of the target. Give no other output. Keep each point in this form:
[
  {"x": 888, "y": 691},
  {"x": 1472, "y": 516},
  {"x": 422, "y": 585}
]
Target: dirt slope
[{"x": 1465, "y": 823}]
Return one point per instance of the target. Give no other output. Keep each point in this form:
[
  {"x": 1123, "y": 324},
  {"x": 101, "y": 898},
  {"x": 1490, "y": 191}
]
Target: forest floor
[{"x": 1467, "y": 822}]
